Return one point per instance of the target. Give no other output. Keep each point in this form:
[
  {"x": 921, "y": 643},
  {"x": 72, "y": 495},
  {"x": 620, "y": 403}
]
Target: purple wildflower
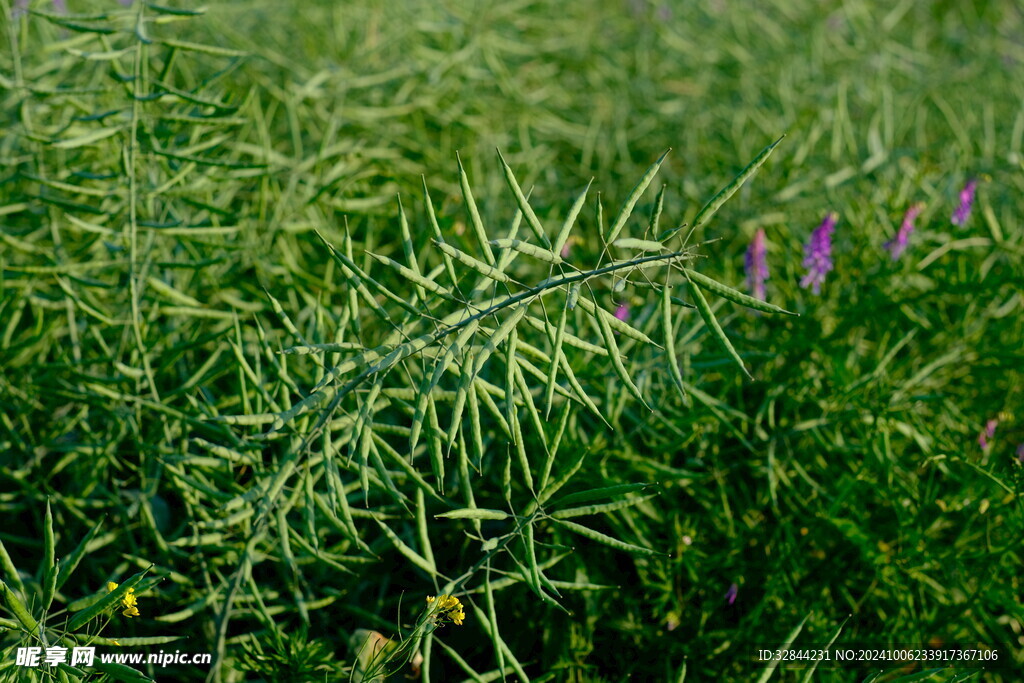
[
  {"x": 1020, "y": 452},
  {"x": 730, "y": 595},
  {"x": 20, "y": 8},
  {"x": 757, "y": 266},
  {"x": 567, "y": 247},
  {"x": 622, "y": 312},
  {"x": 988, "y": 433},
  {"x": 898, "y": 244},
  {"x": 818, "y": 253},
  {"x": 963, "y": 212}
]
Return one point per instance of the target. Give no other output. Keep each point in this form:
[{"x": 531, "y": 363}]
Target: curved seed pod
[
  {"x": 639, "y": 245},
  {"x": 477, "y": 265},
  {"x": 412, "y": 276},
  {"x": 733, "y": 295},
  {"x": 613, "y": 351},
  {"x": 606, "y": 539},
  {"x": 570, "y": 220},
  {"x": 726, "y": 192},
  {"x": 528, "y": 249},
  {"x": 712, "y": 322},
  {"x": 634, "y": 196}
]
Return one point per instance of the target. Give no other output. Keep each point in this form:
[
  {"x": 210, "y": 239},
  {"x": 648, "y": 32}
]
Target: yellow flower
[
  {"x": 448, "y": 608},
  {"x": 129, "y": 600}
]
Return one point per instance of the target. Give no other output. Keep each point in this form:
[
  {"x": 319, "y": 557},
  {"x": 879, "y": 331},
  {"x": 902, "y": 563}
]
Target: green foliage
[
  {"x": 306, "y": 405},
  {"x": 290, "y": 657}
]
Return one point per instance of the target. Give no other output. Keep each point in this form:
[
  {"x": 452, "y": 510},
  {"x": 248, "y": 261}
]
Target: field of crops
[{"x": 482, "y": 340}]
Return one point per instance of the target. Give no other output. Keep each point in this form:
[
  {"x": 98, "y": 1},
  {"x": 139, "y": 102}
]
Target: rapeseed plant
[
  {"x": 448, "y": 608},
  {"x": 129, "y": 601},
  {"x": 756, "y": 265}
]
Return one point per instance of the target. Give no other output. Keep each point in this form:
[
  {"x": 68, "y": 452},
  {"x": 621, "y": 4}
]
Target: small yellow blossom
[
  {"x": 448, "y": 607},
  {"x": 129, "y": 600}
]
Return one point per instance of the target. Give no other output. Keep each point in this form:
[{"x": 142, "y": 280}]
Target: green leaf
[
  {"x": 474, "y": 214},
  {"x": 570, "y": 220}
]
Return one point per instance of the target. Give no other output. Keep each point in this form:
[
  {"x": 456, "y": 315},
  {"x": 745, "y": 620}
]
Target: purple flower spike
[
  {"x": 1020, "y": 452},
  {"x": 622, "y": 312},
  {"x": 757, "y": 266},
  {"x": 818, "y": 253},
  {"x": 988, "y": 433},
  {"x": 730, "y": 595},
  {"x": 963, "y": 212},
  {"x": 898, "y": 244}
]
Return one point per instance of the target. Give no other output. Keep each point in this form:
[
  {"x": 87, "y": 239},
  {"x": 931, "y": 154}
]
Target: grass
[{"x": 189, "y": 205}]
